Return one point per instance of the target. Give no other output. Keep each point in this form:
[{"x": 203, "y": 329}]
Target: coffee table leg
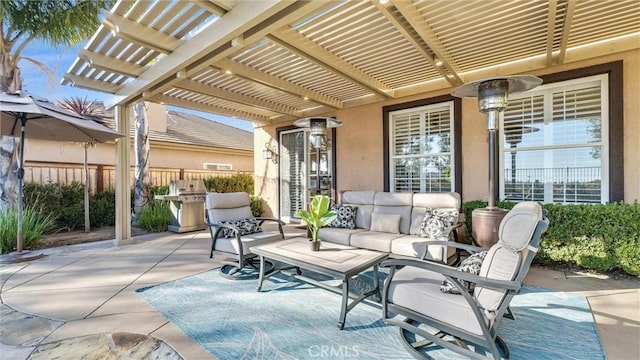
[
  {"x": 345, "y": 301},
  {"x": 261, "y": 277},
  {"x": 376, "y": 283}
]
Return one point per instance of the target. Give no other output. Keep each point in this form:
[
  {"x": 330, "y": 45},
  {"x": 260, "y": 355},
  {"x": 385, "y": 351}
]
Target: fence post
[{"x": 99, "y": 178}]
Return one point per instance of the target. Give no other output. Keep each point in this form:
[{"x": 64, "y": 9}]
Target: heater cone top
[{"x": 517, "y": 83}]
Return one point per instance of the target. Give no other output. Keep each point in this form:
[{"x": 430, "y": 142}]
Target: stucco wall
[
  {"x": 359, "y": 143},
  {"x": 180, "y": 157}
]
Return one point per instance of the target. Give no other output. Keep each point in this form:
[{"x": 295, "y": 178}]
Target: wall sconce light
[{"x": 269, "y": 153}]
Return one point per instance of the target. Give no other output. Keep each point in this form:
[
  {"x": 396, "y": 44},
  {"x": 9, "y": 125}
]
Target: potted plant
[{"x": 316, "y": 217}]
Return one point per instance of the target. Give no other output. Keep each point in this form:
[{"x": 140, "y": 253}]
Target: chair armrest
[
  {"x": 467, "y": 247},
  {"x": 451, "y": 272},
  {"x": 263, "y": 219}
]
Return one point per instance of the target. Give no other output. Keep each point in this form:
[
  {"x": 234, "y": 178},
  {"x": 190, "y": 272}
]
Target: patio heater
[
  {"x": 318, "y": 126},
  {"x": 492, "y": 100}
]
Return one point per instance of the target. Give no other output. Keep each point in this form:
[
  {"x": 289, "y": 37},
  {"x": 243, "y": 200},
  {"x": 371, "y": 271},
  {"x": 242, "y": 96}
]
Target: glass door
[{"x": 304, "y": 171}]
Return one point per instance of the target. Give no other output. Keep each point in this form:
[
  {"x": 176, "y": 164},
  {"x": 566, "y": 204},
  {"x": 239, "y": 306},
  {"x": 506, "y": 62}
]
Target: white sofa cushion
[
  {"x": 373, "y": 240},
  {"x": 337, "y": 235},
  {"x": 396, "y": 203},
  {"x": 363, "y": 200}
]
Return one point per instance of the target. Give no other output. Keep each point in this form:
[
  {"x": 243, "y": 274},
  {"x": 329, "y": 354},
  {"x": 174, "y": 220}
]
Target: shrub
[
  {"x": 235, "y": 183},
  {"x": 594, "y": 237},
  {"x": 256, "y": 205},
  {"x": 35, "y": 223},
  {"x": 155, "y": 217},
  {"x": 103, "y": 208},
  {"x": 66, "y": 202}
]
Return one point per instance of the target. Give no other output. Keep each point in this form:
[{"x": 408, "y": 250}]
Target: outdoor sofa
[{"x": 395, "y": 223}]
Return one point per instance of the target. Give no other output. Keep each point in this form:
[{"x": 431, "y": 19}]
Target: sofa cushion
[
  {"x": 363, "y": 200},
  {"x": 337, "y": 235},
  {"x": 373, "y": 240},
  {"x": 346, "y": 216},
  {"x": 437, "y": 223},
  {"x": 396, "y": 203},
  {"x": 245, "y": 226},
  {"x": 415, "y": 246},
  {"x": 469, "y": 265},
  {"x": 385, "y": 223}
]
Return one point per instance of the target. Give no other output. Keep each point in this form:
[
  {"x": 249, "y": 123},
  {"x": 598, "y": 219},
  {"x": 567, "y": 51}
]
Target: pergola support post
[{"x": 123, "y": 181}]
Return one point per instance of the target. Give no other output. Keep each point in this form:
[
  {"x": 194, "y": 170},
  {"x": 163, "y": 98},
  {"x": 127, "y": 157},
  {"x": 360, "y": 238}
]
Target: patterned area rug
[{"x": 290, "y": 319}]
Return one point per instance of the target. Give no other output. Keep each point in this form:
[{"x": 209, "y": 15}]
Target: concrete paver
[{"x": 82, "y": 298}]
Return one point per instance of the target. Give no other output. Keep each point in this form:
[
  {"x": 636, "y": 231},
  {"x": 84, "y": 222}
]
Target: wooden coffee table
[{"x": 334, "y": 260}]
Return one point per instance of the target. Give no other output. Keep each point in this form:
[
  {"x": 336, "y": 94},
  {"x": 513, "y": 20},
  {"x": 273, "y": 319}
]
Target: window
[
  {"x": 421, "y": 144},
  {"x": 215, "y": 166},
  {"x": 555, "y": 146}
]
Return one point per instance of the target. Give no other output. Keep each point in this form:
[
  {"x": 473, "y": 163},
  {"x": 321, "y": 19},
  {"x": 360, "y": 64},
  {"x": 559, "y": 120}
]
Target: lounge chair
[
  {"x": 413, "y": 293},
  {"x": 234, "y": 230}
]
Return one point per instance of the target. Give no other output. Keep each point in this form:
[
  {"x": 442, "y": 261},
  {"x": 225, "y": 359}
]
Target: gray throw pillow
[
  {"x": 246, "y": 226},
  {"x": 470, "y": 265},
  {"x": 346, "y": 216},
  {"x": 437, "y": 222}
]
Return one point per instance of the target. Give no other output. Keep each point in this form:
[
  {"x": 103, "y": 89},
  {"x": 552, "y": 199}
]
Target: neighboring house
[{"x": 178, "y": 141}]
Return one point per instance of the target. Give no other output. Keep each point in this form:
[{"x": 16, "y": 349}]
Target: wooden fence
[{"x": 104, "y": 176}]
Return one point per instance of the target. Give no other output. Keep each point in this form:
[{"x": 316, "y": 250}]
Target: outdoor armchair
[
  {"x": 416, "y": 294},
  {"x": 234, "y": 230}
]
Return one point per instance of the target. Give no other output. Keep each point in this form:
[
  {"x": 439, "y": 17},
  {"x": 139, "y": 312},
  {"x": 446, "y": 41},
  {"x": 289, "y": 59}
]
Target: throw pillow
[
  {"x": 469, "y": 265},
  {"x": 388, "y": 223},
  {"x": 346, "y": 216},
  {"x": 246, "y": 226},
  {"x": 436, "y": 223}
]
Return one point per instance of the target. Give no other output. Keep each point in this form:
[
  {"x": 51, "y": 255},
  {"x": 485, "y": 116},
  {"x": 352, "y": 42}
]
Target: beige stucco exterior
[
  {"x": 164, "y": 155},
  {"x": 359, "y": 143}
]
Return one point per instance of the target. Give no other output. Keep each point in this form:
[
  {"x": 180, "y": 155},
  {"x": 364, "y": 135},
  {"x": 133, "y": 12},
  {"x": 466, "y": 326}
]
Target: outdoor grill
[{"x": 187, "y": 205}]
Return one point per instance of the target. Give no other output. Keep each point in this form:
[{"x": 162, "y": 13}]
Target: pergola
[{"x": 274, "y": 61}]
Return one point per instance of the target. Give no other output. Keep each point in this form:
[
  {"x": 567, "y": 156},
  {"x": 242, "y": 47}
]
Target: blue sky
[{"x": 59, "y": 60}]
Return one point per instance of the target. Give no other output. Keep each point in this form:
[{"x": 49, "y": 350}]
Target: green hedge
[
  {"x": 595, "y": 237},
  {"x": 66, "y": 202}
]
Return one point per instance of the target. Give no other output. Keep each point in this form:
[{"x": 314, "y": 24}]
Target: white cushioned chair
[
  {"x": 413, "y": 291},
  {"x": 234, "y": 230}
]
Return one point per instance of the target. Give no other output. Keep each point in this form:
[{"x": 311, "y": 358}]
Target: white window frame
[
  {"x": 547, "y": 90},
  {"x": 422, "y": 110},
  {"x": 217, "y": 166}
]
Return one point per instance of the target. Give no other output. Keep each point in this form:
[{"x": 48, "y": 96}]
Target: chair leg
[
  {"x": 249, "y": 270},
  {"x": 415, "y": 344}
]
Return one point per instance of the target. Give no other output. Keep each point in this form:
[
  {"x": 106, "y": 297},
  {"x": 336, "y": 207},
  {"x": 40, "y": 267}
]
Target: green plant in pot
[{"x": 316, "y": 217}]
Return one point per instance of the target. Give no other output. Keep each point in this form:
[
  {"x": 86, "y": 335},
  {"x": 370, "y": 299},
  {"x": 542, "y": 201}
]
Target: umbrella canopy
[
  {"x": 46, "y": 121},
  {"x": 25, "y": 115}
]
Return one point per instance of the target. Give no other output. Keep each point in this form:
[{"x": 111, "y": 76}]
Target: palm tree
[
  {"x": 58, "y": 22},
  {"x": 92, "y": 111}
]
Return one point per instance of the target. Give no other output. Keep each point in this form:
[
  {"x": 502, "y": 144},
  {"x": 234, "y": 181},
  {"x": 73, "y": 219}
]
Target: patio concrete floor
[{"x": 79, "y": 301}]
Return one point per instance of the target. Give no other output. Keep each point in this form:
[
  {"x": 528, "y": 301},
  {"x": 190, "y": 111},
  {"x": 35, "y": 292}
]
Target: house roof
[
  {"x": 273, "y": 61},
  {"x": 188, "y": 129}
]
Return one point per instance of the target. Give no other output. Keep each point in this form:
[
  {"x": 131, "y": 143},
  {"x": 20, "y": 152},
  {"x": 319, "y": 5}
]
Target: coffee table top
[{"x": 333, "y": 259}]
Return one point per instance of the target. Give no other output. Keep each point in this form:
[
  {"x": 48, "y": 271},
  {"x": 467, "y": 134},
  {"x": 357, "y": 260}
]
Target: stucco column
[{"x": 123, "y": 181}]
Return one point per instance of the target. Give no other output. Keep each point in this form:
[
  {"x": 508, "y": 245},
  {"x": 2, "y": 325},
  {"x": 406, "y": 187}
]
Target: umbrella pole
[{"x": 20, "y": 173}]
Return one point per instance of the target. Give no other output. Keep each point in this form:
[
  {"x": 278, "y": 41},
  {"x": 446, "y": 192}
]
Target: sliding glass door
[{"x": 304, "y": 171}]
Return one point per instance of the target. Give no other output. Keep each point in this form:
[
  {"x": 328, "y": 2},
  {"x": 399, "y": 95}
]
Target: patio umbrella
[{"x": 29, "y": 116}]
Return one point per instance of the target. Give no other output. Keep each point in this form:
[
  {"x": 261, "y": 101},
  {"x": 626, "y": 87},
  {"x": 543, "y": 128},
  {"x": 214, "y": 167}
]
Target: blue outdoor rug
[{"x": 293, "y": 320}]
